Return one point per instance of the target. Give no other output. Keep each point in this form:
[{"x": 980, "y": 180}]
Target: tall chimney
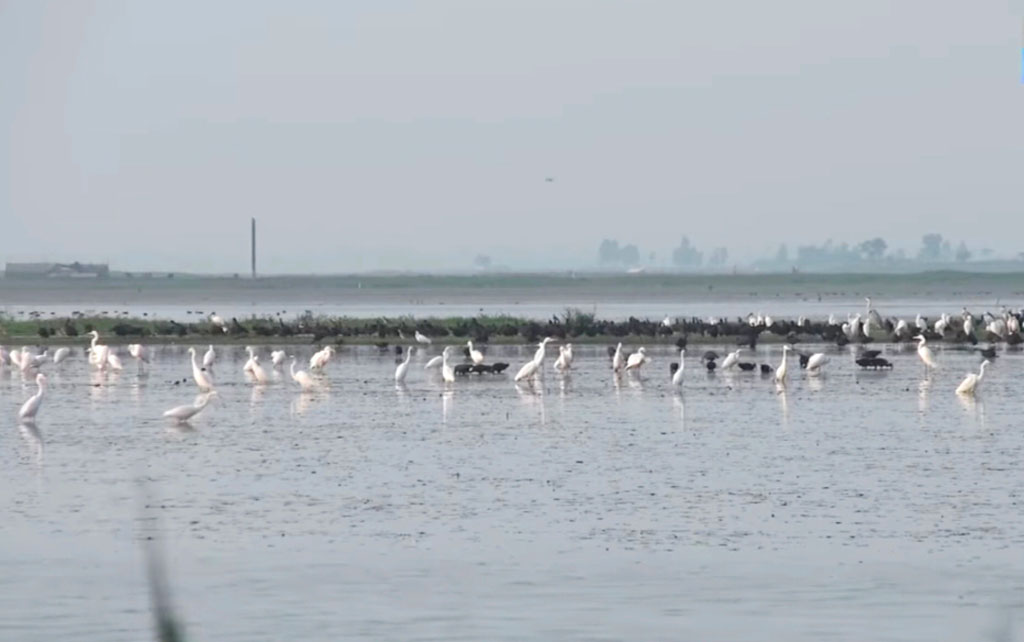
[{"x": 254, "y": 247}]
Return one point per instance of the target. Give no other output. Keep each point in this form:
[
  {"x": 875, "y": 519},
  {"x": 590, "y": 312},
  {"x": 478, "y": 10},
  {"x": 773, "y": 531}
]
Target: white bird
[
  {"x": 920, "y": 322},
  {"x": 139, "y": 352},
  {"x": 39, "y": 359},
  {"x": 731, "y": 359},
  {"x": 971, "y": 381},
  {"x": 97, "y": 351},
  {"x": 942, "y": 324},
  {"x": 475, "y": 355},
  {"x": 434, "y": 362},
  {"x": 617, "y": 361},
  {"x": 31, "y": 406},
  {"x": 301, "y": 377},
  {"x": 531, "y": 367},
  {"x": 925, "y": 353},
  {"x": 541, "y": 351},
  {"x": 248, "y": 362},
  {"x": 447, "y": 371},
  {"x": 61, "y": 354},
  {"x": 637, "y": 359},
  {"x": 902, "y": 328},
  {"x": 815, "y": 362},
  {"x": 259, "y": 373},
  {"x": 216, "y": 320},
  {"x": 15, "y": 358},
  {"x": 564, "y": 360},
  {"x": 677, "y": 376},
  {"x": 969, "y": 325},
  {"x": 780, "y": 372},
  {"x": 114, "y": 361},
  {"x": 202, "y": 378},
  {"x": 403, "y": 368},
  {"x": 422, "y": 338},
  {"x": 181, "y": 414},
  {"x": 667, "y": 321},
  {"x": 320, "y": 360},
  {"x": 209, "y": 357},
  {"x": 277, "y": 357}
]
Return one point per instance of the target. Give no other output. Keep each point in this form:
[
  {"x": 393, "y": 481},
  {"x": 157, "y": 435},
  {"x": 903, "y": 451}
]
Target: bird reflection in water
[
  {"x": 32, "y": 438},
  {"x": 783, "y": 395},
  {"x": 923, "y": 389},
  {"x": 680, "y": 405},
  {"x": 446, "y": 404}
]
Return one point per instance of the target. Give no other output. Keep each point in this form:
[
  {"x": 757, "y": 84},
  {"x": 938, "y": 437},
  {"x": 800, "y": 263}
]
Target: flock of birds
[{"x": 102, "y": 358}]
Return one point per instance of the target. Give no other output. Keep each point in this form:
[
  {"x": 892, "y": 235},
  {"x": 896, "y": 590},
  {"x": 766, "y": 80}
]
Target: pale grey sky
[{"x": 373, "y": 134}]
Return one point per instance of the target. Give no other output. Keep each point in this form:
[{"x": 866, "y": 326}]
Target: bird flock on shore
[{"x": 857, "y": 328}]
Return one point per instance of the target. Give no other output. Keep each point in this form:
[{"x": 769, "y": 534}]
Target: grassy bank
[{"x": 573, "y": 326}]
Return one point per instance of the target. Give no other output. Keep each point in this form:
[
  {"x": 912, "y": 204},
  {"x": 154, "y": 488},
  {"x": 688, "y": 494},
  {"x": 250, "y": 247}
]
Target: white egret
[
  {"x": 301, "y": 377},
  {"x": 617, "y": 360},
  {"x": 218, "y": 321},
  {"x": 925, "y": 353},
  {"x": 202, "y": 378},
  {"x": 542, "y": 349},
  {"x": 209, "y": 357},
  {"x": 31, "y": 406},
  {"x": 61, "y": 354},
  {"x": 447, "y": 371},
  {"x": 15, "y": 358},
  {"x": 248, "y": 362},
  {"x": 920, "y": 322},
  {"x": 139, "y": 352},
  {"x": 422, "y": 338},
  {"x": 731, "y": 359},
  {"x": 780, "y": 372},
  {"x": 677, "y": 376},
  {"x": 968, "y": 325},
  {"x": 181, "y": 414},
  {"x": 277, "y": 357},
  {"x": 667, "y": 321},
  {"x": 970, "y": 383},
  {"x": 114, "y": 361},
  {"x": 532, "y": 367},
  {"x": 902, "y": 329},
  {"x": 39, "y": 359},
  {"x": 435, "y": 362},
  {"x": 320, "y": 360},
  {"x": 475, "y": 356},
  {"x": 259, "y": 372},
  {"x": 403, "y": 368},
  {"x": 97, "y": 351},
  {"x": 637, "y": 359},
  {"x": 564, "y": 360},
  {"x": 815, "y": 362}
]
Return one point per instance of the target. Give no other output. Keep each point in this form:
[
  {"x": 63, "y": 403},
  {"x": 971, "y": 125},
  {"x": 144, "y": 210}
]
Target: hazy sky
[{"x": 373, "y": 134}]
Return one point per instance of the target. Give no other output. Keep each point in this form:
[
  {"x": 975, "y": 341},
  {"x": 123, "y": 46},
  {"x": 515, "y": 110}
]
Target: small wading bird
[
  {"x": 181, "y": 414},
  {"x": 60, "y": 355},
  {"x": 434, "y": 362},
  {"x": 618, "y": 362},
  {"x": 637, "y": 359},
  {"x": 258, "y": 372},
  {"x": 533, "y": 366},
  {"x": 403, "y": 368},
  {"x": 475, "y": 356},
  {"x": 564, "y": 360},
  {"x": 815, "y": 362},
  {"x": 201, "y": 377},
  {"x": 219, "y": 322},
  {"x": 677, "y": 369},
  {"x": 98, "y": 352},
  {"x": 971, "y": 382},
  {"x": 277, "y": 358},
  {"x": 780, "y": 372},
  {"x": 301, "y": 377},
  {"x": 209, "y": 357},
  {"x": 422, "y": 338},
  {"x": 31, "y": 406},
  {"x": 925, "y": 353},
  {"x": 447, "y": 372}
]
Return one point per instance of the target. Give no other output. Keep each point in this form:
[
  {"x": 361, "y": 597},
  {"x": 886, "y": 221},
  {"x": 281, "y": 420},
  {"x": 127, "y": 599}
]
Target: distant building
[{"x": 44, "y": 270}]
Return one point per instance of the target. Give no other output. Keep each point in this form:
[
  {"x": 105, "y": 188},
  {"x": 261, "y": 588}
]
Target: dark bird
[
  {"x": 710, "y": 355},
  {"x": 766, "y": 369},
  {"x": 710, "y": 365},
  {"x": 869, "y": 354},
  {"x": 745, "y": 366},
  {"x": 499, "y": 367},
  {"x": 989, "y": 352},
  {"x": 874, "y": 363},
  {"x": 673, "y": 367}
]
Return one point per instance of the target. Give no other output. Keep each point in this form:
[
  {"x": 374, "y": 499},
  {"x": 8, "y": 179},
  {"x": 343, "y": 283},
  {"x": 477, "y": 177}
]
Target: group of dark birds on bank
[{"x": 1002, "y": 327}]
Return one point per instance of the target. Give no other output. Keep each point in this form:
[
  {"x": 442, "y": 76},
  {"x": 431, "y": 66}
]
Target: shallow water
[{"x": 853, "y": 506}]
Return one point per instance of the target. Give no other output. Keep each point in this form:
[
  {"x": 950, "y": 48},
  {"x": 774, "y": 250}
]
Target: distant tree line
[
  {"x": 685, "y": 256},
  {"x": 934, "y": 249}
]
